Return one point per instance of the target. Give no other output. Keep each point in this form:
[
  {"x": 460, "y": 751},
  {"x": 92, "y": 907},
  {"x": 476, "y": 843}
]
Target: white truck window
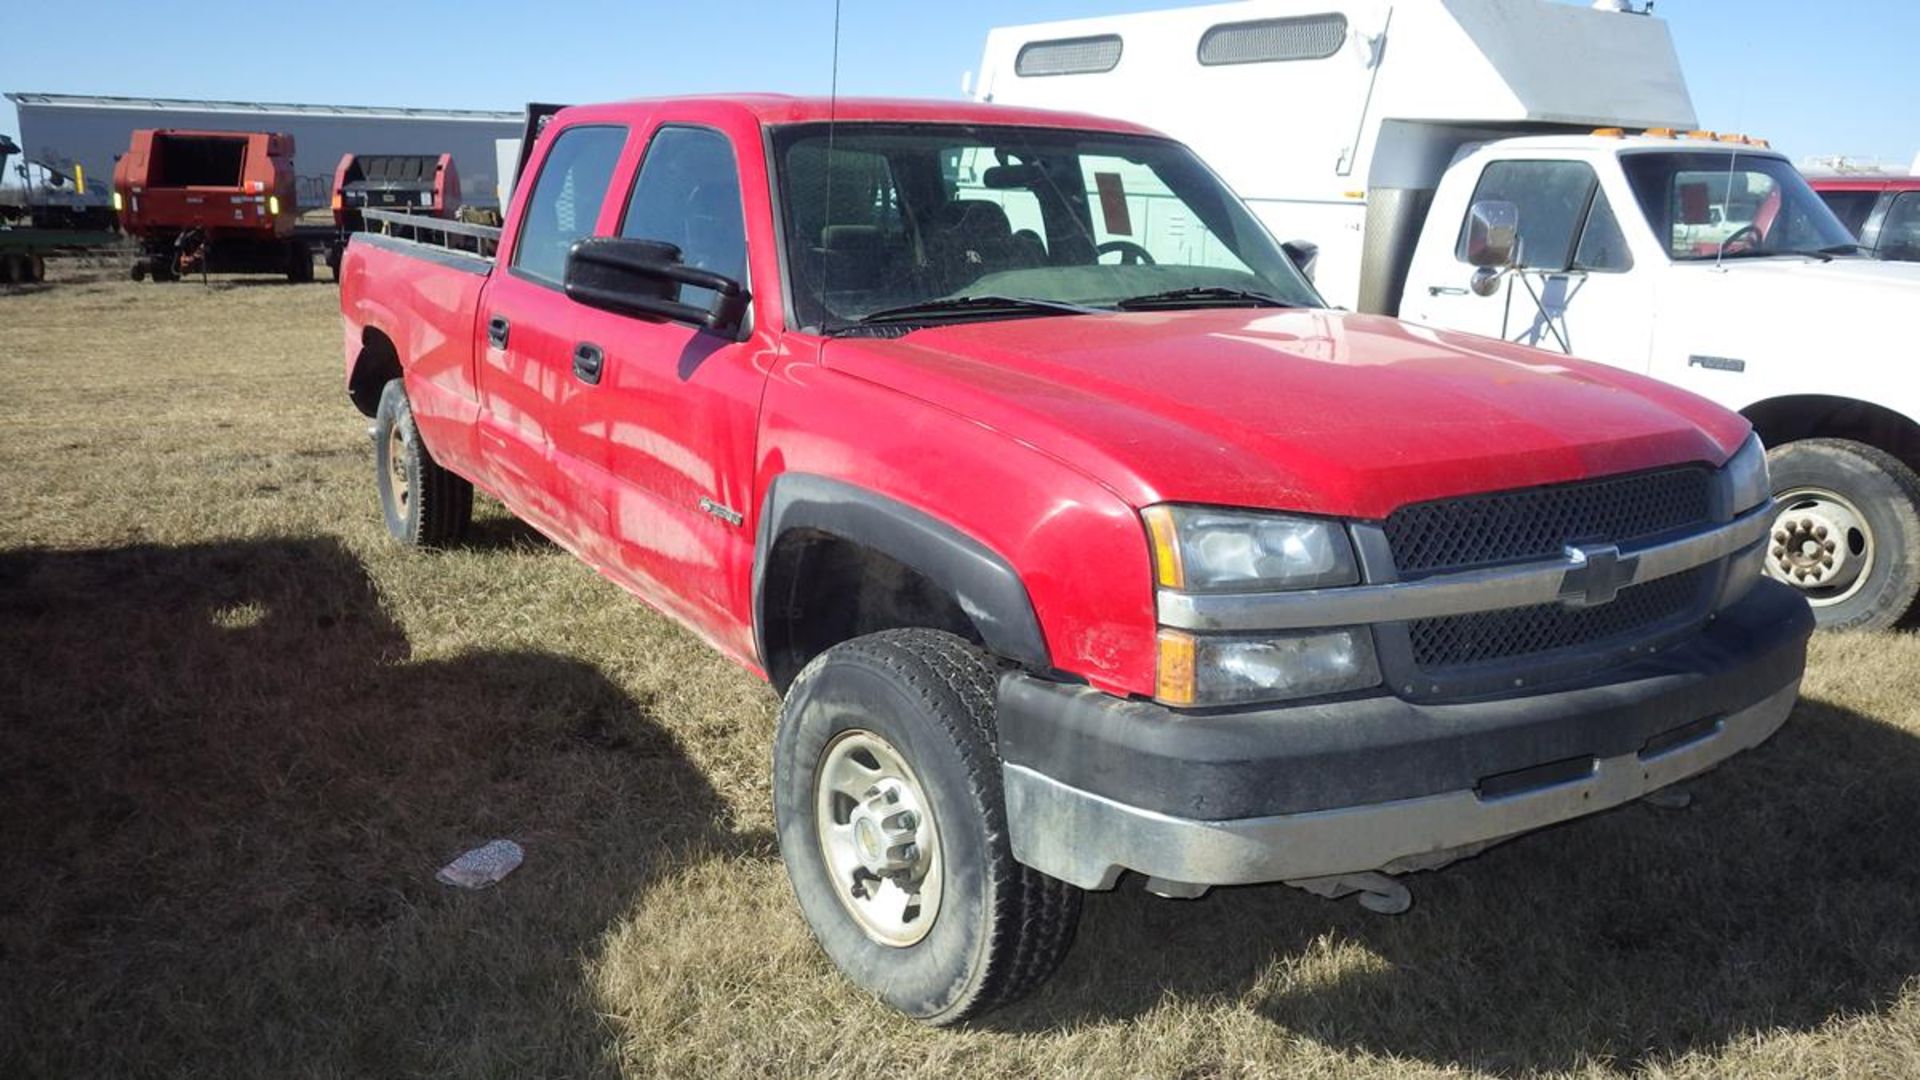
[
  {"x": 1706, "y": 204},
  {"x": 1603, "y": 247},
  {"x": 1561, "y": 206}
]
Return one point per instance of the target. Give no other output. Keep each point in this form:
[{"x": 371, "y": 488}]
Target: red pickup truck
[
  {"x": 1079, "y": 536},
  {"x": 1882, "y": 212}
]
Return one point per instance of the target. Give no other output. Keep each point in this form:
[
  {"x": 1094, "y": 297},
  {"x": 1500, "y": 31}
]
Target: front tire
[
  {"x": 887, "y": 798},
  {"x": 1846, "y": 532},
  {"x": 425, "y": 505}
]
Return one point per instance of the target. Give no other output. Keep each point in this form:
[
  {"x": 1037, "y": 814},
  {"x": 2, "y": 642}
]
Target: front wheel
[
  {"x": 1846, "y": 531},
  {"x": 888, "y": 802},
  {"x": 425, "y": 505}
]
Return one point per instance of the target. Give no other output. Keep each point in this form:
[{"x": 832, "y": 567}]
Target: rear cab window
[{"x": 566, "y": 199}]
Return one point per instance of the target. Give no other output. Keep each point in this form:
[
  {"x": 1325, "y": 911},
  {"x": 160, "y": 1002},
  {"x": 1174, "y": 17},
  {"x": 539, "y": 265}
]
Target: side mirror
[
  {"x": 644, "y": 278},
  {"x": 1303, "y": 254},
  {"x": 1493, "y": 233}
]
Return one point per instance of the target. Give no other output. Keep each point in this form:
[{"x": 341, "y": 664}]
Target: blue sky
[{"x": 1816, "y": 78}]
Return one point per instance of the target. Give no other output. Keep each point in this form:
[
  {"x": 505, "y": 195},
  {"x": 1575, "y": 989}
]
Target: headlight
[
  {"x": 1747, "y": 472},
  {"x": 1210, "y": 670},
  {"x": 1200, "y": 549}
]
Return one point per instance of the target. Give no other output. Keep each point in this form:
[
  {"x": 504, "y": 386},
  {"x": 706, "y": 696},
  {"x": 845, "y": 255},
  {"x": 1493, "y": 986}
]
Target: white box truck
[{"x": 1379, "y": 132}]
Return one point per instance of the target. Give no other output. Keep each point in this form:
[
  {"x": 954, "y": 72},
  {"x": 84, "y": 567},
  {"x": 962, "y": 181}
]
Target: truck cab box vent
[{"x": 1261, "y": 41}]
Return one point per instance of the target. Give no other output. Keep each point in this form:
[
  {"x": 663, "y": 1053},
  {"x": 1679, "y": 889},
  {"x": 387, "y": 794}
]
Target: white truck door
[{"x": 1577, "y": 290}]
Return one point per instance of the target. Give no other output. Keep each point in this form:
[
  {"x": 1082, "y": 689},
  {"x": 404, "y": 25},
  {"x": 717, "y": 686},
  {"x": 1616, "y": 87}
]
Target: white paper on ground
[{"x": 482, "y": 866}]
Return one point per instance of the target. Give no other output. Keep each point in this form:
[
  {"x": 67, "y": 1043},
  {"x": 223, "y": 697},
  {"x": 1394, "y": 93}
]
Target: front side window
[
  {"x": 1714, "y": 204},
  {"x": 1900, "y": 233},
  {"x": 566, "y": 198},
  {"x": 1566, "y": 222},
  {"x": 888, "y": 215},
  {"x": 688, "y": 195}
]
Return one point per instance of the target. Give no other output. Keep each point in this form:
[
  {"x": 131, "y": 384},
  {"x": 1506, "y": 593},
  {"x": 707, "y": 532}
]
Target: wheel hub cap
[
  {"x": 878, "y": 841},
  {"x": 397, "y": 469},
  {"x": 1821, "y": 545}
]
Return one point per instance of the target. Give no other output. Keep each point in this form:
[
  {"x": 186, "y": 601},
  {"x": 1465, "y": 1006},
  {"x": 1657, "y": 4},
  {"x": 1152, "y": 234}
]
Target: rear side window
[
  {"x": 1566, "y": 221},
  {"x": 566, "y": 198},
  {"x": 688, "y": 195}
]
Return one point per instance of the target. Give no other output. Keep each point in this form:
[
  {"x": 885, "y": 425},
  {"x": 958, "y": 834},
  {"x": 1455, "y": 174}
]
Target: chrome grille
[
  {"x": 1514, "y": 633},
  {"x": 1538, "y": 523}
]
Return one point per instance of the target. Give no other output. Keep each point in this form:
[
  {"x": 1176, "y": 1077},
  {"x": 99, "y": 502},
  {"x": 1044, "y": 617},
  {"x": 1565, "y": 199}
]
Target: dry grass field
[{"x": 239, "y": 732}]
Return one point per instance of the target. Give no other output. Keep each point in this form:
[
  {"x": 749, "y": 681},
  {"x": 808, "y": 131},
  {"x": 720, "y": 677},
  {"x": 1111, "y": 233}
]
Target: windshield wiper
[
  {"x": 1826, "y": 254},
  {"x": 988, "y": 305},
  {"x": 1202, "y": 296}
]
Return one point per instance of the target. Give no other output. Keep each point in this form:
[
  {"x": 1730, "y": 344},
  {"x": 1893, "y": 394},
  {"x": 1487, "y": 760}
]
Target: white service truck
[{"x": 1391, "y": 138}]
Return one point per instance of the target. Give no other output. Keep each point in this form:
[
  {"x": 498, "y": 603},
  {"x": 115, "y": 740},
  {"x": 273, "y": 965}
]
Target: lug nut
[
  {"x": 1820, "y": 532},
  {"x": 1780, "y": 537}
]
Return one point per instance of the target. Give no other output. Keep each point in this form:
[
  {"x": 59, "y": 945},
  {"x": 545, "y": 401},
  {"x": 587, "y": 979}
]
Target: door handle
[
  {"x": 1445, "y": 290},
  {"x": 497, "y": 327},
  {"x": 587, "y": 362}
]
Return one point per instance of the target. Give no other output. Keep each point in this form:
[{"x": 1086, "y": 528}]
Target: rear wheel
[
  {"x": 893, "y": 828},
  {"x": 1846, "y": 532},
  {"x": 425, "y": 505}
]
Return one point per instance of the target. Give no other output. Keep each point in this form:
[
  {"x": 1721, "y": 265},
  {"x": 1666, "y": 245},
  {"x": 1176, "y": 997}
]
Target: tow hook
[{"x": 1375, "y": 891}]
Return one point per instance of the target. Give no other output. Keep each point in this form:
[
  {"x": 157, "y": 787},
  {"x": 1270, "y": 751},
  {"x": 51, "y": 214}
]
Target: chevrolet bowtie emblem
[{"x": 1597, "y": 574}]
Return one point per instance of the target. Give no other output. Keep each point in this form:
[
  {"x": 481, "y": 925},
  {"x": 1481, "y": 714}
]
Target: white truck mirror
[{"x": 1493, "y": 232}]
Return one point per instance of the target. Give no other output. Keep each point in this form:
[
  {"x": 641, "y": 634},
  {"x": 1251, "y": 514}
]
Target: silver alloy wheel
[
  {"x": 1821, "y": 544},
  {"x": 878, "y": 838}
]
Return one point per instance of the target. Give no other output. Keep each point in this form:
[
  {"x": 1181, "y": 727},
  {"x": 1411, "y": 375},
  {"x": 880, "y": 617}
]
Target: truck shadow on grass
[
  {"x": 1785, "y": 897},
  {"x": 225, "y": 788}
]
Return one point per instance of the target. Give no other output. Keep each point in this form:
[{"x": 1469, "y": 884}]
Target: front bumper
[{"x": 1096, "y": 785}]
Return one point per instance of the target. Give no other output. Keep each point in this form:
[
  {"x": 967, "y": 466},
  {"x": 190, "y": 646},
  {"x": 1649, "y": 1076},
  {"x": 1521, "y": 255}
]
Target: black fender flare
[{"x": 984, "y": 584}]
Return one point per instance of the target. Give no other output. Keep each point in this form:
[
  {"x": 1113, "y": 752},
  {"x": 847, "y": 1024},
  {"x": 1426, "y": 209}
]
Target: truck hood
[
  {"x": 1856, "y": 282},
  {"x": 1310, "y": 410}
]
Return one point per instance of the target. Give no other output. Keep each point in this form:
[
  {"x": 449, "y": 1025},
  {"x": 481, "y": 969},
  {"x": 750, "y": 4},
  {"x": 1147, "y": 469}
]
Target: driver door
[{"x": 1576, "y": 289}]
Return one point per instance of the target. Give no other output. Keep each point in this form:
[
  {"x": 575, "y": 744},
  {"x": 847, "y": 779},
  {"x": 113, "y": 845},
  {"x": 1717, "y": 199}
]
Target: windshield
[
  {"x": 881, "y": 217},
  {"x": 1723, "y": 204}
]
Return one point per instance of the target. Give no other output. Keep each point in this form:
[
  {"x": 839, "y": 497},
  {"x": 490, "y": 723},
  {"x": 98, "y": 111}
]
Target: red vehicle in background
[
  {"x": 1882, "y": 212},
  {"x": 211, "y": 201},
  {"x": 425, "y": 184}
]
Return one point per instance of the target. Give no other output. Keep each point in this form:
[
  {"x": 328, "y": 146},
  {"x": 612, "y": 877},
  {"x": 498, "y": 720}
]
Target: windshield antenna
[
  {"x": 826, "y": 212},
  {"x": 1726, "y": 208}
]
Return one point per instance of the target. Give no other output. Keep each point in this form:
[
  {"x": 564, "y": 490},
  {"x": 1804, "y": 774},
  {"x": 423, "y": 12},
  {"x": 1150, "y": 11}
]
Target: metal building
[{"x": 64, "y": 130}]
